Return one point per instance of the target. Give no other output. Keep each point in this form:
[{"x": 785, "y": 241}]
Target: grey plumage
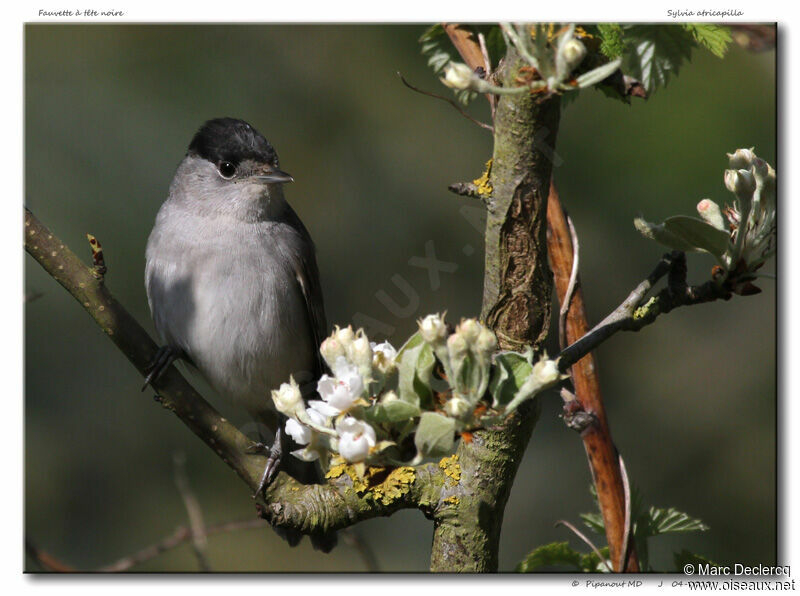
[{"x": 231, "y": 275}]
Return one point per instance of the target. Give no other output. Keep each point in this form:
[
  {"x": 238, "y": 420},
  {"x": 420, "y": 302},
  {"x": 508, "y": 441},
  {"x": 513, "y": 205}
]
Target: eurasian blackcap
[{"x": 231, "y": 276}]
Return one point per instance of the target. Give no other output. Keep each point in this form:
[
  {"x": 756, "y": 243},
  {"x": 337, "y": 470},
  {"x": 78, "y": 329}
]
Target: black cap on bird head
[{"x": 232, "y": 140}]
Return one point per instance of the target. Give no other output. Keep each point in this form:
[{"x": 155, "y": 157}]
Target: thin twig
[
  {"x": 193, "y": 510},
  {"x": 47, "y": 561},
  {"x": 631, "y": 315},
  {"x": 583, "y": 537},
  {"x": 488, "y": 127},
  {"x": 354, "y": 539},
  {"x": 626, "y": 537},
  {"x": 573, "y": 278},
  {"x": 179, "y": 536},
  {"x": 487, "y": 61}
]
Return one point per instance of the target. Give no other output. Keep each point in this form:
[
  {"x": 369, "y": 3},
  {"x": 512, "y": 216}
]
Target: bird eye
[{"x": 226, "y": 169}]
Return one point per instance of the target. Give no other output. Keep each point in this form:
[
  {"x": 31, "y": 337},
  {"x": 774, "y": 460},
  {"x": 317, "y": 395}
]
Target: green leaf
[
  {"x": 714, "y": 38},
  {"x": 415, "y": 366},
  {"x": 550, "y": 555},
  {"x": 656, "y": 52},
  {"x": 510, "y": 371},
  {"x": 664, "y": 521},
  {"x": 701, "y": 235},
  {"x": 391, "y": 412},
  {"x": 659, "y": 233},
  {"x": 435, "y": 435},
  {"x": 612, "y": 40},
  {"x": 685, "y": 557},
  {"x": 594, "y": 521}
]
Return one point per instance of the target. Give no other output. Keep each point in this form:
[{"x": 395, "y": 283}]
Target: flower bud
[
  {"x": 457, "y": 346},
  {"x": 486, "y": 342},
  {"x": 331, "y": 349},
  {"x": 470, "y": 329},
  {"x": 574, "y": 52},
  {"x": 457, "y": 75},
  {"x": 288, "y": 398},
  {"x": 711, "y": 213},
  {"x": 359, "y": 352},
  {"x": 456, "y": 407},
  {"x": 741, "y": 159},
  {"x": 740, "y": 182},
  {"x": 546, "y": 371},
  {"x": 389, "y": 397},
  {"x": 433, "y": 329},
  {"x": 345, "y": 336}
]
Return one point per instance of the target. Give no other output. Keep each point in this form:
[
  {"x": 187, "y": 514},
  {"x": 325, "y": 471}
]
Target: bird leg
[
  {"x": 165, "y": 356},
  {"x": 273, "y": 454}
]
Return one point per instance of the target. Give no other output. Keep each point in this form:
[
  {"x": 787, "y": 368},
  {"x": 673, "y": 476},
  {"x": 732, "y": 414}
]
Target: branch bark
[
  {"x": 287, "y": 503},
  {"x": 516, "y": 305},
  {"x": 600, "y": 449}
]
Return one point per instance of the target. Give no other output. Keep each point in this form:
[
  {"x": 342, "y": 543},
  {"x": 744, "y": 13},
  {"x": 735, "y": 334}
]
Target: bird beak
[{"x": 273, "y": 175}]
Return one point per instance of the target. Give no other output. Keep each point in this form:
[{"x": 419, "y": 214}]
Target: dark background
[{"x": 109, "y": 111}]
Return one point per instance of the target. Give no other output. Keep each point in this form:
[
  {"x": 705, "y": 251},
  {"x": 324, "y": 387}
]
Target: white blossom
[
  {"x": 356, "y": 438},
  {"x": 383, "y": 356},
  {"x": 340, "y": 392},
  {"x": 304, "y": 435}
]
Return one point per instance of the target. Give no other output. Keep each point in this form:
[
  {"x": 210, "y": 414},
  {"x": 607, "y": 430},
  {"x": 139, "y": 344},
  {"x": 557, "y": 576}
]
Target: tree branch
[
  {"x": 594, "y": 428},
  {"x": 632, "y": 315},
  {"x": 287, "y": 503}
]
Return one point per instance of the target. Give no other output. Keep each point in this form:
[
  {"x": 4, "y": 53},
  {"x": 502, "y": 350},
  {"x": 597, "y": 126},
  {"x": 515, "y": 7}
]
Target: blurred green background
[{"x": 109, "y": 112}]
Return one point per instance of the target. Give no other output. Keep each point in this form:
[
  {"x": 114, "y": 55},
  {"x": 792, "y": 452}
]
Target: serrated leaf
[
  {"x": 656, "y": 52},
  {"x": 685, "y": 557},
  {"x": 594, "y": 521},
  {"x": 699, "y": 234},
  {"x": 435, "y": 435},
  {"x": 612, "y": 40},
  {"x": 550, "y": 555},
  {"x": 663, "y": 521},
  {"x": 714, "y": 38},
  {"x": 510, "y": 371}
]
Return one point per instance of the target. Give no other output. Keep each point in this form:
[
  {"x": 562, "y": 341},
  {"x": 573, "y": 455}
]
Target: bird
[{"x": 233, "y": 284}]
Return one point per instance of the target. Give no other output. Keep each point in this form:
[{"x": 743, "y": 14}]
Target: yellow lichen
[
  {"x": 381, "y": 484},
  {"x": 396, "y": 484},
  {"x": 482, "y": 185},
  {"x": 451, "y": 500},
  {"x": 645, "y": 309},
  {"x": 451, "y": 468},
  {"x": 336, "y": 471}
]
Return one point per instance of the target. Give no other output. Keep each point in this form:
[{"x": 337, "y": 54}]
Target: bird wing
[{"x": 307, "y": 275}]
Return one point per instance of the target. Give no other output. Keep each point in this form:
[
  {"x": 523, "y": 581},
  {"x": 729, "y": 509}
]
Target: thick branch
[
  {"x": 310, "y": 509},
  {"x": 516, "y": 305},
  {"x": 600, "y": 449}
]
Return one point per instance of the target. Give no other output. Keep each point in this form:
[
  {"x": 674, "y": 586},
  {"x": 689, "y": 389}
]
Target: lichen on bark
[{"x": 517, "y": 298}]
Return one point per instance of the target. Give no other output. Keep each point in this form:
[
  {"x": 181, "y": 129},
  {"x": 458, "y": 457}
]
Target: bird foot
[
  {"x": 274, "y": 454},
  {"x": 165, "y": 356}
]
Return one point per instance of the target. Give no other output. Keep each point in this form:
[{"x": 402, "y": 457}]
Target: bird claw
[
  {"x": 274, "y": 455},
  {"x": 165, "y": 356}
]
